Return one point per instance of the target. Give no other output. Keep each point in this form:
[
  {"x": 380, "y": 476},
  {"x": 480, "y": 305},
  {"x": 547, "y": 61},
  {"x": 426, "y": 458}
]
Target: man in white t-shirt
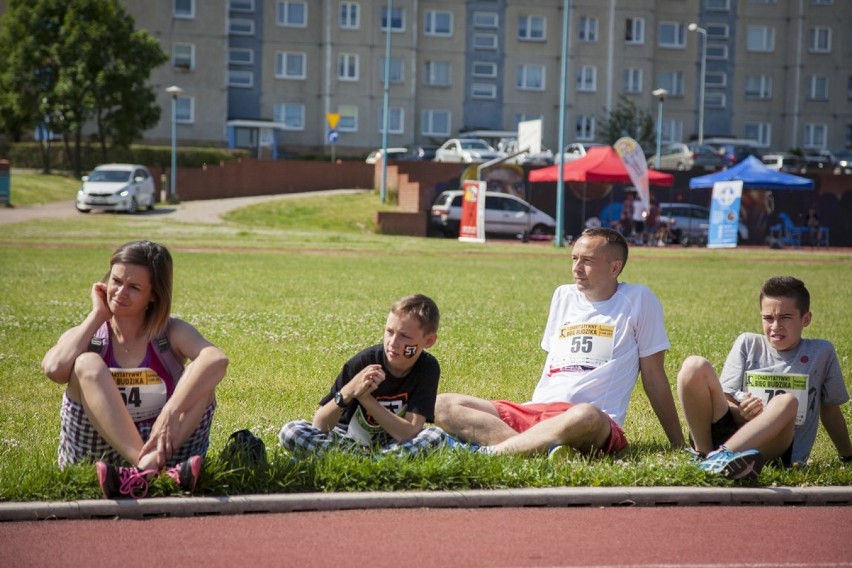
[{"x": 600, "y": 334}]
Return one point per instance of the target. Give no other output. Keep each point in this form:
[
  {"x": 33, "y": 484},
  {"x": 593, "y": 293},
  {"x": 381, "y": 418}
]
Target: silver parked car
[
  {"x": 684, "y": 157},
  {"x": 117, "y": 187},
  {"x": 690, "y": 224},
  {"x": 504, "y": 214},
  {"x": 466, "y": 150}
]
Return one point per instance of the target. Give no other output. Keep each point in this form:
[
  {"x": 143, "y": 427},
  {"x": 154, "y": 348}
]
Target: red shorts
[{"x": 522, "y": 417}]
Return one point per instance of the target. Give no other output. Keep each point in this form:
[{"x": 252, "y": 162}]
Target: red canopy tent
[{"x": 601, "y": 164}]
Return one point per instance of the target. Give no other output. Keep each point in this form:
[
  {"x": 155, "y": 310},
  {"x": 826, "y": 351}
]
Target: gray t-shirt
[{"x": 815, "y": 358}]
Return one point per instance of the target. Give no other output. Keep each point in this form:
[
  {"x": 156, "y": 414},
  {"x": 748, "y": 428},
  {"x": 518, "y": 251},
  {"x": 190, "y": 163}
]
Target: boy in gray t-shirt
[{"x": 772, "y": 392}]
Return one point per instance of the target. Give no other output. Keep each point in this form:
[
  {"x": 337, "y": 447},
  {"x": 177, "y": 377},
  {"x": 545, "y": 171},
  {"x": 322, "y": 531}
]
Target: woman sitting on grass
[{"x": 128, "y": 398}]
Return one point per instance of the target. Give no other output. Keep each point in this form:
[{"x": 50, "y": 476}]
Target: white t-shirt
[
  {"x": 593, "y": 349},
  {"x": 814, "y": 358}
]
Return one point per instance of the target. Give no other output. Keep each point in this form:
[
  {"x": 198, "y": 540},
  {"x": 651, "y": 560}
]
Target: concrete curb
[{"x": 548, "y": 497}]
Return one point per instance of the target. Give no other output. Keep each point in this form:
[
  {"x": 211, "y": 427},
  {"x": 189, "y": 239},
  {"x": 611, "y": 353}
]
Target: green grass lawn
[
  {"x": 33, "y": 188},
  {"x": 289, "y": 302}
]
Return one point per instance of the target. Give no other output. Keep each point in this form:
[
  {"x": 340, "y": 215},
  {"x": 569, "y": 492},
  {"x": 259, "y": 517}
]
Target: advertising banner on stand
[
  {"x": 472, "y": 223},
  {"x": 725, "y": 214},
  {"x": 636, "y": 165}
]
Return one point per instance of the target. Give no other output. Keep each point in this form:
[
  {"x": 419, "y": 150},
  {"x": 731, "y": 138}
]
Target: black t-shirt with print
[{"x": 416, "y": 391}]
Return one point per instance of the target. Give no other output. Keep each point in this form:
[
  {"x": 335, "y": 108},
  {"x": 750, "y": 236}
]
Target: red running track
[{"x": 745, "y": 536}]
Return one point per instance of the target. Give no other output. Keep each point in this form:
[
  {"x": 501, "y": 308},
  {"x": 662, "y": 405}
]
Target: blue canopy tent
[{"x": 755, "y": 175}]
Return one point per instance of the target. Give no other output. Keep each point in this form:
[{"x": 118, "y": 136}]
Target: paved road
[{"x": 204, "y": 211}]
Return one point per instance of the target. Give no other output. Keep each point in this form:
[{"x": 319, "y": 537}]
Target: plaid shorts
[
  {"x": 301, "y": 438},
  {"x": 79, "y": 441}
]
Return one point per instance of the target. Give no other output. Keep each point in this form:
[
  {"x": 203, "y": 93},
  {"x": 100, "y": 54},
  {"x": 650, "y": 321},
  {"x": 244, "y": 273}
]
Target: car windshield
[
  {"x": 110, "y": 176},
  {"x": 474, "y": 145}
]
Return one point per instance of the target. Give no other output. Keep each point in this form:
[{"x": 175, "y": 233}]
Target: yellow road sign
[{"x": 333, "y": 118}]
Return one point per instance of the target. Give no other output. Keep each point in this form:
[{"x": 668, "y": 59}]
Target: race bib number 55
[
  {"x": 767, "y": 385},
  {"x": 582, "y": 347},
  {"x": 143, "y": 391}
]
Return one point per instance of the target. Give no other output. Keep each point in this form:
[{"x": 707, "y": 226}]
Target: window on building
[
  {"x": 438, "y": 23},
  {"x": 241, "y": 26},
  {"x": 483, "y": 91},
  {"x": 241, "y": 79},
  {"x": 291, "y": 115},
  {"x": 438, "y": 74},
  {"x": 717, "y": 31},
  {"x": 718, "y": 5},
  {"x": 587, "y": 78},
  {"x": 761, "y": 132},
  {"x": 588, "y": 29},
  {"x": 531, "y": 28},
  {"x": 184, "y": 9},
  {"x": 290, "y": 65},
  {"x": 671, "y": 131},
  {"x": 715, "y": 100},
  {"x": 348, "y": 118},
  {"x": 488, "y": 70},
  {"x": 485, "y": 20},
  {"x": 485, "y": 41},
  {"x": 816, "y": 135},
  {"x": 246, "y": 6},
  {"x": 347, "y": 67},
  {"x": 717, "y": 52},
  {"x": 820, "y": 39},
  {"x": 584, "y": 128},
  {"x": 397, "y": 19},
  {"x": 635, "y": 31},
  {"x": 672, "y": 81},
  {"x": 396, "y": 123},
  {"x": 762, "y": 1},
  {"x": 632, "y": 80},
  {"x": 715, "y": 79},
  {"x": 240, "y": 56},
  {"x": 183, "y": 56},
  {"x": 529, "y": 77},
  {"x": 672, "y": 35},
  {"x": 760, "y": 38},
  {"x": 291, "y": 14},
  {"x": 350, "y": 15},
  {"x": 397, "y": 70},
  {"x": 435, "y": 123},
  {"x": 818, "y": 88},
  {"x": 758, "y": 87},
  {"x": 185, "y": 110}
]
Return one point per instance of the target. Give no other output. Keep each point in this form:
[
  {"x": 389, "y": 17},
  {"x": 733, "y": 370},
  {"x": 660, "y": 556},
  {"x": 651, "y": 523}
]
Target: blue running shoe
[
  {"x": 733, "y": 465},
  {"x": 694, "y": 455}
]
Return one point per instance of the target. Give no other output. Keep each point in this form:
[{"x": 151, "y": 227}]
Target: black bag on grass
[{"x": 244, "y": 449}]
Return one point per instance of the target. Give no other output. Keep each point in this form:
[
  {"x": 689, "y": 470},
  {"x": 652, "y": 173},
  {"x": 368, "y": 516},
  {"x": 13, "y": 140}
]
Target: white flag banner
[{"x": 636, "y": 165}]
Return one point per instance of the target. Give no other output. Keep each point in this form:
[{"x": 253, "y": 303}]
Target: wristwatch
[{"x": 339, "y": 401}]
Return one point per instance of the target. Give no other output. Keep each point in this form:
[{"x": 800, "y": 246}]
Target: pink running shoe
[
  {"x": 186, "y": 473},
  {"x": 123, "y": 482}
]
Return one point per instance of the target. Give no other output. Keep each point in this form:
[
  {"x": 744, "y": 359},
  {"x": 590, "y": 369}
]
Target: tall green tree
[
  {"x": 629, "y": 120},
  {"x": 76, "y": 65}
]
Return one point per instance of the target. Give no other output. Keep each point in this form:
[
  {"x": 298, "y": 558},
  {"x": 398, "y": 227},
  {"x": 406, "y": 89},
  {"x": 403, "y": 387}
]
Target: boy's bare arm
[
  {"x": 401, "y": 428},
  {"x": 835, "y": 424}
]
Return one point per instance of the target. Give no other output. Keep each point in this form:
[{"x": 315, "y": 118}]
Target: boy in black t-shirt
[{"x": 384, "y": 395}]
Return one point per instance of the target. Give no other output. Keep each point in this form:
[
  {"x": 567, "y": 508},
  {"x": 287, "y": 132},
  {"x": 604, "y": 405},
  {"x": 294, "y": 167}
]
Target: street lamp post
[
  {"x": 175, "y": 92},
  {"x": 383, "y": 190},
  {"x": 693, "y": 27},
  {"x": 661, "y": 97}
]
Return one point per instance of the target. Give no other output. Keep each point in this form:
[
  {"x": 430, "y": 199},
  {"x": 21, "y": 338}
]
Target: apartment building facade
[{"x": 267, "y": 74}]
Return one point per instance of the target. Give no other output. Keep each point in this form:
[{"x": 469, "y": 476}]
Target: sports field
[{"x": 291, "y": 289}]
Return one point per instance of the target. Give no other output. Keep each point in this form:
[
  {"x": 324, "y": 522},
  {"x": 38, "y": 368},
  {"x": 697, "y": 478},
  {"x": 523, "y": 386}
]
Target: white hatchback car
[
  {"x": 466, "y": 151},
  {"x": 117, "y": 187},
  {"x": 504, "y": 214}
]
